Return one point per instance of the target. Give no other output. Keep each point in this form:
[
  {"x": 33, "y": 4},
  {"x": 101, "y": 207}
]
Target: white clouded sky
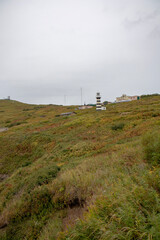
[{"x": 52, "y": 48}]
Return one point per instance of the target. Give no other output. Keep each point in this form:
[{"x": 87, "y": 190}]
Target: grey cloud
[
  {"x": 155, "y": 33},
  {"x": 131, "y": 23},
  {"x": 49, "y": 49}
]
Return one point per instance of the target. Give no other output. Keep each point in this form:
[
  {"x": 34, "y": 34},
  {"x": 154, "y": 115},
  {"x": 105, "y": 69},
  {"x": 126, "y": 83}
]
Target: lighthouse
[{"x": 98, "y": 102}]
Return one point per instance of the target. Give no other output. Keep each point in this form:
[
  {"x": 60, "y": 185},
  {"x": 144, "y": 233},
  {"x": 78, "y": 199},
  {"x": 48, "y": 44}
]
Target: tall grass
[
  {"x": 88, "y": 162},
  {"x": 151, "y": 145}
]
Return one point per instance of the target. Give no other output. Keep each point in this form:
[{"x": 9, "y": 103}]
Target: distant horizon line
[{"x": 9, "y": 99}]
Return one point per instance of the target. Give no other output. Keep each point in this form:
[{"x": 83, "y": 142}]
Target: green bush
[
  {"x": 151, "y": 148},
  {"x": 42, "y": 176},
  {"x": 26, "y": 109},
  {"x": 117, "y": 126},
  {"x": 149, "y": 95},
  {"x": 155, "y": 114},
  {"x": 15, "y": 124}
]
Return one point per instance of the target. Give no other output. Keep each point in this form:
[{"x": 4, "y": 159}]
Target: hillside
[{"x": 101, "y": 167}]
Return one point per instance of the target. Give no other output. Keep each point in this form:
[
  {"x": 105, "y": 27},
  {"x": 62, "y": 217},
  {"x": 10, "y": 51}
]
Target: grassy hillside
[{"x": 102, "y": 168}]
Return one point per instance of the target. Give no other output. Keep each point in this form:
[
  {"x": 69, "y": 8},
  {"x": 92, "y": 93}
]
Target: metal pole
[{"x": 81, "y": 96}]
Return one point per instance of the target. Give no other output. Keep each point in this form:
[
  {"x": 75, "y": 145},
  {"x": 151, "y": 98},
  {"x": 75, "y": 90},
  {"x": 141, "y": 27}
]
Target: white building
[{"x": 125, "y": 98}]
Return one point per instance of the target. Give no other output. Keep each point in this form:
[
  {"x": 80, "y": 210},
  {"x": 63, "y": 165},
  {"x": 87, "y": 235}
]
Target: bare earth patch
[{"x": 73, "y": 214}]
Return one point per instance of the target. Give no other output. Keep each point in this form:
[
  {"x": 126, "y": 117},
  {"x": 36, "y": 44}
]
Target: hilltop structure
[
  {"x": 99, "y": 106},
  {"x": 125, "y": 98},
  {"x": 98, "y": 101},
  {"x": 8, "y": 98}
]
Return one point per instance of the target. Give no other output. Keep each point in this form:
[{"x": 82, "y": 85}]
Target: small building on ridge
[{"x": 125, "y": 98}]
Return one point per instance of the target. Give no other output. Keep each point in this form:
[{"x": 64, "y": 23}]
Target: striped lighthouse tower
[{"x": 98, "y": 102}]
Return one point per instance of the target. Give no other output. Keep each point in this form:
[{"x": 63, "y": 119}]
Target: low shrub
[
  {"x": 155, "y": 114},
  {"x": 117, "y": 126},
  {"x": 26, "y": 109},
  {"x": 149, "y": 95},
  {"x": 15, "y": 124},
  {"x": 42, "y": 176},
  {"x": 151, "y": 148},
  {"x": 27, "y": 163},
  {"x": 8, "y": 121}
]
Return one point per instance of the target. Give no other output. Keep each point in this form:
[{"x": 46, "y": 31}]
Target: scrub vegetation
[{"x": 94, "y": 175}]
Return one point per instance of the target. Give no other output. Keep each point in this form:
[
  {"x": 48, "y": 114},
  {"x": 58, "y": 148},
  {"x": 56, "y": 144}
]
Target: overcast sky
[{"x": 52, "y": 48}]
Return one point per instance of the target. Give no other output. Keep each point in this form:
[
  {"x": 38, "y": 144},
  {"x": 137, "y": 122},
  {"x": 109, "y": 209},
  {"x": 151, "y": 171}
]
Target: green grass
[
  {"x": 151, "y": 145},
  {"x": 101, "y": 167}
]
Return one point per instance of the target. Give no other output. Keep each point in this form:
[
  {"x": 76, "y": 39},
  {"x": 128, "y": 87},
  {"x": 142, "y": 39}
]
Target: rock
[{"x": 3, "y": 129}]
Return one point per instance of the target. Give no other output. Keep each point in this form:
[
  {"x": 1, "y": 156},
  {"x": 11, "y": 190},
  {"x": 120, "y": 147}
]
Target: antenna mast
[{"x": 81, "y": 96}]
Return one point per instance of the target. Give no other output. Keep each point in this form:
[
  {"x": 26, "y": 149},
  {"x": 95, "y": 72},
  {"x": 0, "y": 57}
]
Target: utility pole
[{"x": 81, "y": 96}]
